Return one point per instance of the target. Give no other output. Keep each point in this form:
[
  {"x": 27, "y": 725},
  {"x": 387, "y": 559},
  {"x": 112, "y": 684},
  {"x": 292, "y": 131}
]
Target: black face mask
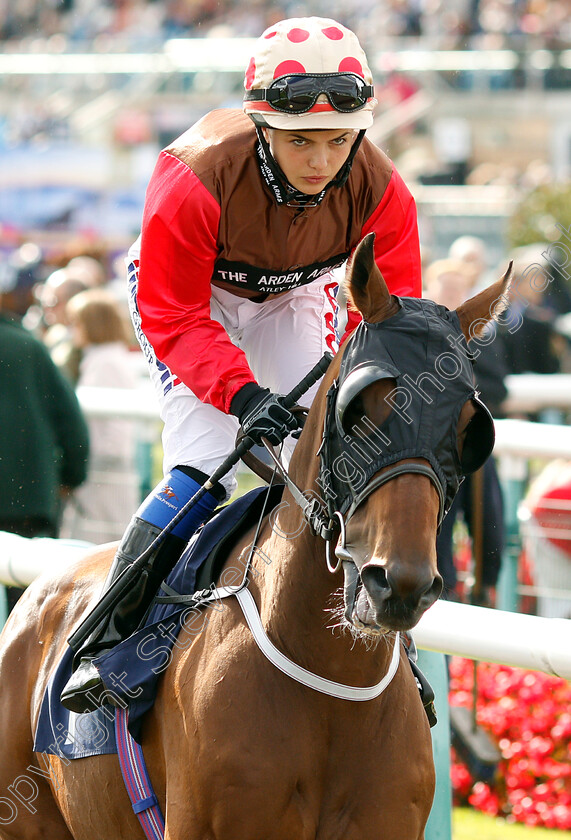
[{"x": 423, "y": 350}]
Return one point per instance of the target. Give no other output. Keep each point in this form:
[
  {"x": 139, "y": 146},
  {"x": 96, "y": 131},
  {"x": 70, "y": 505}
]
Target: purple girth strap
[{"x": 137, "y": 781}]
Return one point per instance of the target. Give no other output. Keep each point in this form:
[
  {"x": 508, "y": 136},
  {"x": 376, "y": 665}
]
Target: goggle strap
[{"x": 270, "y": 94}]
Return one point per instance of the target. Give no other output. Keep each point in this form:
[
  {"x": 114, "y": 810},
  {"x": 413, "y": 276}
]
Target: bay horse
[{"x": 236, "y": 749}]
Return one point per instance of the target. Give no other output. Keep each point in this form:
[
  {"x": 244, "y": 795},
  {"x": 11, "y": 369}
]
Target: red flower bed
[{"x": 528, "y": 715}]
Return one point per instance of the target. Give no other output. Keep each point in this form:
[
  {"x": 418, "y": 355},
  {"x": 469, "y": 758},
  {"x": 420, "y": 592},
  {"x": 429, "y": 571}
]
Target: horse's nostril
[
  {"x": 432, "y": 593},
  {"x": 376, "y": 582},
  {"x": 415, "y": 590}
]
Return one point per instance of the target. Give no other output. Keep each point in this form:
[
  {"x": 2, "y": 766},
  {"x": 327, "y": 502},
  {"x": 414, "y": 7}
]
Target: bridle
[
  {"x": 325, "y": 520},
  {"x": 341, "y": 509},
  {"x": 393, "y": 472},
  {"x": 377, "y": 481}
]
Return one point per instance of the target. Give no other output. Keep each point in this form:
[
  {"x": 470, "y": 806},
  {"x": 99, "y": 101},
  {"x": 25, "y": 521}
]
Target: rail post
[
  {"x": 3, "y": 606},
  {"x": 439, "y": 826},
  {"x": 513, "y": 480}
]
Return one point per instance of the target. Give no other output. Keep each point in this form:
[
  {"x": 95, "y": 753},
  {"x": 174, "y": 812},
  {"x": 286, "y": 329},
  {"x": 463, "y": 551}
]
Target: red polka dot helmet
[{"x": 309, "y": 73}]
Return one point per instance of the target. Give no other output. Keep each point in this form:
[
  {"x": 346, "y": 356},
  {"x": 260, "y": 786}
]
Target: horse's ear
[
  {"x": 366, "y": 287},
  {"x": 488, "y": 305}
]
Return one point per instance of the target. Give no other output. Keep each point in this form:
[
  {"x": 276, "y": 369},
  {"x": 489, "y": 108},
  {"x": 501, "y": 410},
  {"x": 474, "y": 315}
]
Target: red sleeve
[
  {"x": 397, "y": 249},
  {"x": 178, "y": 251}
]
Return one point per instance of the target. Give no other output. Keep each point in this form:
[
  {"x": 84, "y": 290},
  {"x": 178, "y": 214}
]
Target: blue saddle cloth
[{"x": 132, "y": 669}]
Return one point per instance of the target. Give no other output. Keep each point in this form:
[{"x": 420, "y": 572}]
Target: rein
[{"x": 312, "y": 509}]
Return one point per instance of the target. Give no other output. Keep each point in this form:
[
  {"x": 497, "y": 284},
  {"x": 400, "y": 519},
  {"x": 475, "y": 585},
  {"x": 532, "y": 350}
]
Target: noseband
[{"x": 377, "y": 481}]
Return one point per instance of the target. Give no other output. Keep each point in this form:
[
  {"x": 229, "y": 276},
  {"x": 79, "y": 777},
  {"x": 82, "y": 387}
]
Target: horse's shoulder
[
  {"x": 61, "y": 594},
  {"x": 91, "y": 566},
  {"x": 35, "y": 634}
]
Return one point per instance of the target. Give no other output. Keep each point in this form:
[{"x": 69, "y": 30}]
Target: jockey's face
[{"x": 310, "y": 159}]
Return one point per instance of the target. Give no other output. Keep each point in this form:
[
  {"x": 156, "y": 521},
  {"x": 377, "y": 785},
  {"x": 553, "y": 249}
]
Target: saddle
[{"x": 140, "y": 660}]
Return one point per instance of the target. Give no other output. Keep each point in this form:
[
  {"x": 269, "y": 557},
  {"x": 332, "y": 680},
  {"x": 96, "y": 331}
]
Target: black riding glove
[{"x": 262, "y": 414}]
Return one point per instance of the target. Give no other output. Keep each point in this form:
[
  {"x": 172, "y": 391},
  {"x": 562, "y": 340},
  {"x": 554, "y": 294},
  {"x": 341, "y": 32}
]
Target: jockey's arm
[{"x": 178, "y": 252}]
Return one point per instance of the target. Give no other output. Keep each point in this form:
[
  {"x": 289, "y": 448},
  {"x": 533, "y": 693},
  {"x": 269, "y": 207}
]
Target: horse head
[{"x": 403, "y": 426}]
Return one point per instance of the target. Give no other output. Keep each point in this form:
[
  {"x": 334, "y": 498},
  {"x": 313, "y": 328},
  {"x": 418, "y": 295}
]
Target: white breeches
[{"x": 283, "y": 338}]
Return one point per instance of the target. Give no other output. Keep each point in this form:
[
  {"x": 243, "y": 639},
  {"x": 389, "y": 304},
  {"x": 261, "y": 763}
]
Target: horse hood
[{"x": 426, "y": 340}]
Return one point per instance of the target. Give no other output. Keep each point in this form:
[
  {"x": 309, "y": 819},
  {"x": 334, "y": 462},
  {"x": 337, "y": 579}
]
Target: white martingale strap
[{"x": 301, "y": 675}]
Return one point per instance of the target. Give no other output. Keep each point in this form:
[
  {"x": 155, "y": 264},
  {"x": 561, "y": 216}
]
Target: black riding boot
[{"x": 84, "y": 689}]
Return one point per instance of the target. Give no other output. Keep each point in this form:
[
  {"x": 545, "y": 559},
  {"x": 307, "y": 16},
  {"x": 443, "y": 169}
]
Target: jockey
[{"x": 232, "y": 280}]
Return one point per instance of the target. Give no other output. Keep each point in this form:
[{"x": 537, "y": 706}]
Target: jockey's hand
[{"x": 262, "y": 414}]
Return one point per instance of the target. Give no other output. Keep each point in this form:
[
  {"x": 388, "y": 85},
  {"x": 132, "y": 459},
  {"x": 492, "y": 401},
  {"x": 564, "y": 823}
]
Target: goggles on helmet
[{"x": 298, "y": 93}]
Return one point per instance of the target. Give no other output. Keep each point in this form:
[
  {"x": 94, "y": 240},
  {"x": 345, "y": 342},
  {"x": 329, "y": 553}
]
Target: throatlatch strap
[{"x": 137, "y": 781}]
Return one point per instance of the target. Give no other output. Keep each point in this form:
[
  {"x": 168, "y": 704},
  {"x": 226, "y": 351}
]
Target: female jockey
[{"x": 232, "y": 289}]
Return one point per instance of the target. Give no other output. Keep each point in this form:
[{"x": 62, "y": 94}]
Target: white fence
[
  {"x": 532, "y": 392},
  {"x": 458, "y": 629},
  {"x": 524, "y": 641},
  {"x": 526, "y": 393},
  {"x": 492, "y": 635}
]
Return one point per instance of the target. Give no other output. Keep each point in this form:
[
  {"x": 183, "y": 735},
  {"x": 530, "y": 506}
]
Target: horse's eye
[
  {"x": 354, "y": 413},
  {"x": 362, "y": 420}
]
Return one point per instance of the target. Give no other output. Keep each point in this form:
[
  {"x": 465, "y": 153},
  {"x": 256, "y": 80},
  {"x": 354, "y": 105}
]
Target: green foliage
[{"x": 536, "y": 217}]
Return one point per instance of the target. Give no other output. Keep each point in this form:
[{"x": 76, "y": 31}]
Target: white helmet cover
[{"x": 309, "y": 45}]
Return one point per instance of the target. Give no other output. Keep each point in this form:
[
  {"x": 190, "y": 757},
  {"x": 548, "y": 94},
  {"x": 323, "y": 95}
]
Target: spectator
[
  {"x": 447, "y": 282},
  {"x": 54, "y": 295},
  {"x": 531, "y": 342},
  {"x": 101, "y": 508},
  {"x": 18, "y": 276},
  {"x": 43, "y": 437},
  {"x": 479, "y": 500},
  {"x": 471, "y": 250},
  {"x": 546, "y": 537},
  {"x": 491, "y": 364},
  {"x": 89, "y": 269}
]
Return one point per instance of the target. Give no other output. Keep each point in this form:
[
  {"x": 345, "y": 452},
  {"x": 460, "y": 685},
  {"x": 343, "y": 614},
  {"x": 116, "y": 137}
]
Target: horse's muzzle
[{"x": 394, "y": 600}]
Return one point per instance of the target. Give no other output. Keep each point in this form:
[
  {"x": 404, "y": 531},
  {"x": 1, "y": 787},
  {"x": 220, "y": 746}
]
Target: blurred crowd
[
  {"x": 64, "y": 326},
  {"x": 442, "y": 24},
  {"x": 530, "y": 337}
]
